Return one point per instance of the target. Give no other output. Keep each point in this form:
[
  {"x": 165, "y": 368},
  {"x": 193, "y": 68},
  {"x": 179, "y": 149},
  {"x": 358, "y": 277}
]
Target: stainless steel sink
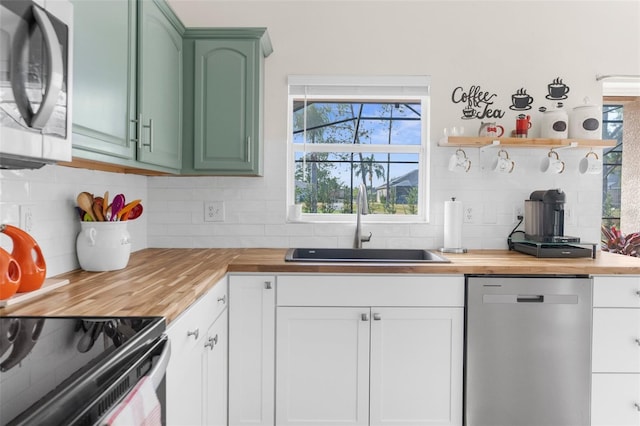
[{"x": 363, "y": 255}]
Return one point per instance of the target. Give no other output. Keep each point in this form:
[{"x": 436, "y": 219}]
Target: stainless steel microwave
[{"x": 36, "y": 50}]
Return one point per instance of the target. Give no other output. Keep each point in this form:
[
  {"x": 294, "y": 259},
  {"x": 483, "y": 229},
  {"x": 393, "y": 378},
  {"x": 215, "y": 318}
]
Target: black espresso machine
[
  {"x": 544, "y": 217},
  {"x": 544, "y": 228}
]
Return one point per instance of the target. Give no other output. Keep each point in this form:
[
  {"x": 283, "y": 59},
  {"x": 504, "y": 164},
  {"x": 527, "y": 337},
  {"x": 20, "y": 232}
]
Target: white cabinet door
[
  {"x": 323, "y": 366},
  {"x": 251, "y": 350},
  {"x": 416, "y": 366},
  {"x": 615, "y": 400},
  {"x": 616, "y": 340},
  {"x": 215, "y": 391}
]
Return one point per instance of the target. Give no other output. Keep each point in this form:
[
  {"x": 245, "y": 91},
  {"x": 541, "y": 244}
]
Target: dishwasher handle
[
  {"x": 530, "y": 298},
  {"x": 556, "y": 299}
]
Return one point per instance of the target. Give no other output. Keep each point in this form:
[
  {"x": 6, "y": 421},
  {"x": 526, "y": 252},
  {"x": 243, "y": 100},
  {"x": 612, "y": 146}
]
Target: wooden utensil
[
  {"x": 105, "y": 203},
  {"x": 85, "y": 202}
]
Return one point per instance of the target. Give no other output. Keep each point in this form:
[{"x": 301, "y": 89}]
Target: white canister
[
  {"x": 103, "y": 246},
  {"x": 555, "y": 124},
  {"x": 585, "y": 122}
]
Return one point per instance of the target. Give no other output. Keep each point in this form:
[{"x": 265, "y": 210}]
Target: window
[
  {"x": 612, "y": 125},
  {"x": 347, "y": 131}
]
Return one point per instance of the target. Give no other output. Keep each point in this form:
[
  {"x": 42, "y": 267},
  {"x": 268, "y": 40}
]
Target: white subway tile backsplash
[{"x": 50, "y": 192}]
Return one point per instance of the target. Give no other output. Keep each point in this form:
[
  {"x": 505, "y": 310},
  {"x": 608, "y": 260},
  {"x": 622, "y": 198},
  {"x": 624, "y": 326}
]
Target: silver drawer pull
[
  {"x": 364, "y": 317},
  {"x": 638, "y": 342},
  {"x": 638, "y": 293},
  {"x": 211, "y": 342},
  {"x": 377, "y": 317},
  {"x": 267, "y": 285},
  {"x": 223, "y": 299},
  {"x": 635, "y": 404},
  {"x": 193, "y": 333}
]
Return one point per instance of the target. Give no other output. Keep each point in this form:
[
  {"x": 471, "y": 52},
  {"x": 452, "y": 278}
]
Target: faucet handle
[{"x": 366, "y": 239}]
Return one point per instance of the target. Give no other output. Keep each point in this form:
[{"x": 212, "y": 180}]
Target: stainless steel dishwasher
[{"x": 527, "y": 351}]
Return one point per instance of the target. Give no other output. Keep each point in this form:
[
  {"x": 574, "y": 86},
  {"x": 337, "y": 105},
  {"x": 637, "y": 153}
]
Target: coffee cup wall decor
[
  {"x": 557, "y": 90},
  {"x": 521, "y": 101}
]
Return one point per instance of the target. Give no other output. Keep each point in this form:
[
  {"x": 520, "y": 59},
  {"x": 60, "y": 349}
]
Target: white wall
[{"x": 499, "y": 45}]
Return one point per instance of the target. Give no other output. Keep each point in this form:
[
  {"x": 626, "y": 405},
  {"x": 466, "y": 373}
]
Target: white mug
[
  {"x": 458, "y": 162},
  {"x": 502, "y": 163},
  {"x": 590, "y": 165},
  {"x": 552, "y": 163}
]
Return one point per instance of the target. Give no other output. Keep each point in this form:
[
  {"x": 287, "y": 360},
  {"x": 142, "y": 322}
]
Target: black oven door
[{"x": 111, "y": 366}]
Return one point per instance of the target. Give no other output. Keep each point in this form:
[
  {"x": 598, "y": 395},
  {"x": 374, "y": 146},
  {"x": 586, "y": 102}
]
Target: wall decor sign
[
  {"x": 477, "y": 103},
  {"x": 521, "y": 101},
  {"x": 557, "y": 90}
]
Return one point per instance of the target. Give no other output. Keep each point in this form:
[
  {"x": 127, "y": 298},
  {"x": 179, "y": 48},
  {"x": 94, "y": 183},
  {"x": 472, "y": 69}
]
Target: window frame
[{"x": 352, "y": 84}]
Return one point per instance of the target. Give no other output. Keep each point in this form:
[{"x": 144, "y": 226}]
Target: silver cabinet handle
[
  {"x": 150, "y": 127},
  {"x": 193, "y": 333},
  {"x": 248, "y": 149},
  {"x": 138, "y": 138},
  {"x": 267, "y": 285},
  {"x": 223, "y": 299},
  {"x": 54, "y": 78},
  {"x": 638, "y": 293},
  {"x": 211, "y": 342},
  {"x": 635, "y": 404},
  {"x": 638, "y": 341},
  {"x": 377, "y": 317},
  {"x": 364, "y": 317}
]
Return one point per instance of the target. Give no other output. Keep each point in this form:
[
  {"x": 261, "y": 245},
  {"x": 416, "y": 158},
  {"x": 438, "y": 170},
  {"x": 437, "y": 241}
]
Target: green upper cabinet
[
  {"x": 159, "y": 88},
  {"x": 223, "y": 93},
  {"x": 104, "y": 78},
  {"x": 128, "y": 84}
]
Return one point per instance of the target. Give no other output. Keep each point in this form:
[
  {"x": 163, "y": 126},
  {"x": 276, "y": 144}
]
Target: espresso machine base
[{"x": 557, "y": 250}]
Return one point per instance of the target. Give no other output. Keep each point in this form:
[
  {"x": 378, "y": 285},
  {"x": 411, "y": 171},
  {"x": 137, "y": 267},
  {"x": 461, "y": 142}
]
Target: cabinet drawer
[
  {"x": 618, "y": 291},
  {"x": 615, "y": 400},
  {"x": 370, "y": 290},
  {"x": 190, "y": 328},
  {"x": 616, "y": 340}
]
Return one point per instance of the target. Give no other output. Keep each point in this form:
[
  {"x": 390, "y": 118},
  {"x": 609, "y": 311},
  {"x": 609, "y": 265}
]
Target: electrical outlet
[
  {"x": 468, "y": 214},
  {"x": 214, "y": 211},
  {"x": 517, "y": 211},
  {"x": 26, "y": 217}
]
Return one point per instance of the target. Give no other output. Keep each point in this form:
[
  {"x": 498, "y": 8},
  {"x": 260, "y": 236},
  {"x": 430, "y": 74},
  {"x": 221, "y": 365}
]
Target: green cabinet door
[
  {"x": 104, "y": 78},
  {"x": 225, "y": 127},
  {"x": 224, "y": 97},
  {"x": 159, "y": 88}
]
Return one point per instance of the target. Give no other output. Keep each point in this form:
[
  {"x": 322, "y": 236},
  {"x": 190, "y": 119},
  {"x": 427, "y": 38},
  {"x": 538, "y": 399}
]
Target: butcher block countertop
[{"x": 165, "y": 282}]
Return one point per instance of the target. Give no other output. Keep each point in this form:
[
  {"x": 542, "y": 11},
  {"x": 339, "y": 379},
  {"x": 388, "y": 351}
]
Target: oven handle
[
  {"x": 54, "y": 78},
  {"x": 160, "y": 365}
]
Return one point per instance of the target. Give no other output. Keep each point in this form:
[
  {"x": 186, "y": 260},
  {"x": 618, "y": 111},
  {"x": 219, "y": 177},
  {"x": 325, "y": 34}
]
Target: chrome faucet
[{"x": 362, "y": 207}]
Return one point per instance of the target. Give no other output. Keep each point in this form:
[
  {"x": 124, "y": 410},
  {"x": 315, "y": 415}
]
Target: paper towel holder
[{"x": 451, "y": 249}]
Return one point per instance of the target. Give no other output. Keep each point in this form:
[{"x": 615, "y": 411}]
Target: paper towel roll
[{"x": 453, "y": 215}]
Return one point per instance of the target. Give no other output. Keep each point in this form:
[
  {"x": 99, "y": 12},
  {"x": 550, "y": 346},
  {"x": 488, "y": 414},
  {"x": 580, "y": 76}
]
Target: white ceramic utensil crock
[{"x": 103, "y": 246}]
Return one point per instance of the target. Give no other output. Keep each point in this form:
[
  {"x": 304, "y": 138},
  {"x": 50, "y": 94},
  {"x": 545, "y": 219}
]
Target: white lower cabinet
[
  {"x": 251, "y": 349},
  {"x": 322, "y": 366},
  {"x": 615, "y": 399},
  {"x": 369, "y": 365},
  {"x": 195, "y": 394}
]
